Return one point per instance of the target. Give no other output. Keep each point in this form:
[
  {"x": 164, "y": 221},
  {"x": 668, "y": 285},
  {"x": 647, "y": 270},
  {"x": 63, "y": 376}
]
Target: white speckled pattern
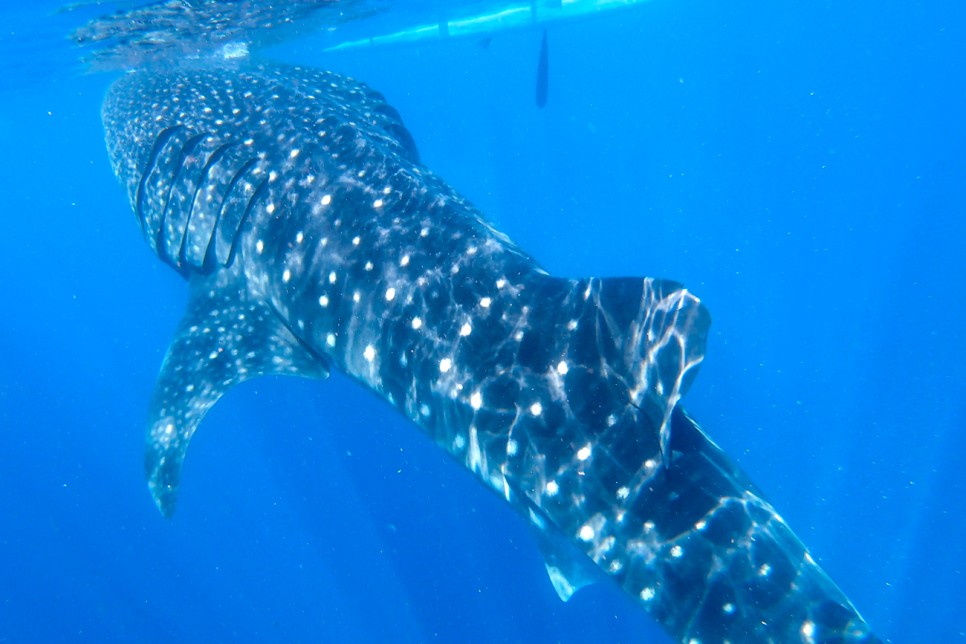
[{"x": 294, "y": 202}]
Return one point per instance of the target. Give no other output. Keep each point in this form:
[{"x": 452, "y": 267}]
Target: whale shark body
[{"x": 294, "y": 203}]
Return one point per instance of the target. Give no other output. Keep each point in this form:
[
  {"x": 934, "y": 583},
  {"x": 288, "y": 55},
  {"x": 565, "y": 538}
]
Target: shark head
[{"x": 199, "y": 148}]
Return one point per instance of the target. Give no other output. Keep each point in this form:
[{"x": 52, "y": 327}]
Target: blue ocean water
[{"x": 799, "y": 167}]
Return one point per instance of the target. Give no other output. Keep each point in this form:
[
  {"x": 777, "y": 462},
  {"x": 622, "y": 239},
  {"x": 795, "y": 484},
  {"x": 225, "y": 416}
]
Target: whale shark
[{"x": 312, "y": 238}]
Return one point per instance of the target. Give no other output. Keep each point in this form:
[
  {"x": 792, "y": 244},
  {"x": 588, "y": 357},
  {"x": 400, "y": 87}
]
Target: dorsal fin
[
  {"x": 225, "y": 338},
  {"x": 661, "y": 329},
  {"x": 630, "y": 341}
]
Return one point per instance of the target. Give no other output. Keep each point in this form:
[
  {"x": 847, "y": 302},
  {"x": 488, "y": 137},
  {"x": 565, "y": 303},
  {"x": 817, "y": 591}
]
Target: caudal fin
[{"x": 708, "y": 527}]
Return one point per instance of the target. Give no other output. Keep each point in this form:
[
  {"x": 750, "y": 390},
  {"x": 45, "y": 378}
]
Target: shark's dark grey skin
[{"x": 294, "y": 203}]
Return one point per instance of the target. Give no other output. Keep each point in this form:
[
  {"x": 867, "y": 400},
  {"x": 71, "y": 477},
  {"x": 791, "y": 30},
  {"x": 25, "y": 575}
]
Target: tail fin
[
  {"x": 694, "y": 541},
  {"x": 707, "y": 526}
]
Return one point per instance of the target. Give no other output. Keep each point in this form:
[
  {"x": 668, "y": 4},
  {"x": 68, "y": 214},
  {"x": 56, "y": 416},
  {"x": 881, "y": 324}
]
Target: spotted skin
[{"x": 294, "y": 203}]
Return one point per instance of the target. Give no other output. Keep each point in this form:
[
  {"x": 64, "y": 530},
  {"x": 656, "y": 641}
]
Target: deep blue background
[{"x": 799, "y": 168}]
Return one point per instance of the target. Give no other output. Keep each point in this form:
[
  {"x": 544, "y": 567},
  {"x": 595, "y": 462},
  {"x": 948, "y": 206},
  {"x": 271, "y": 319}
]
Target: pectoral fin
[{"x": 226, "y": 337}]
